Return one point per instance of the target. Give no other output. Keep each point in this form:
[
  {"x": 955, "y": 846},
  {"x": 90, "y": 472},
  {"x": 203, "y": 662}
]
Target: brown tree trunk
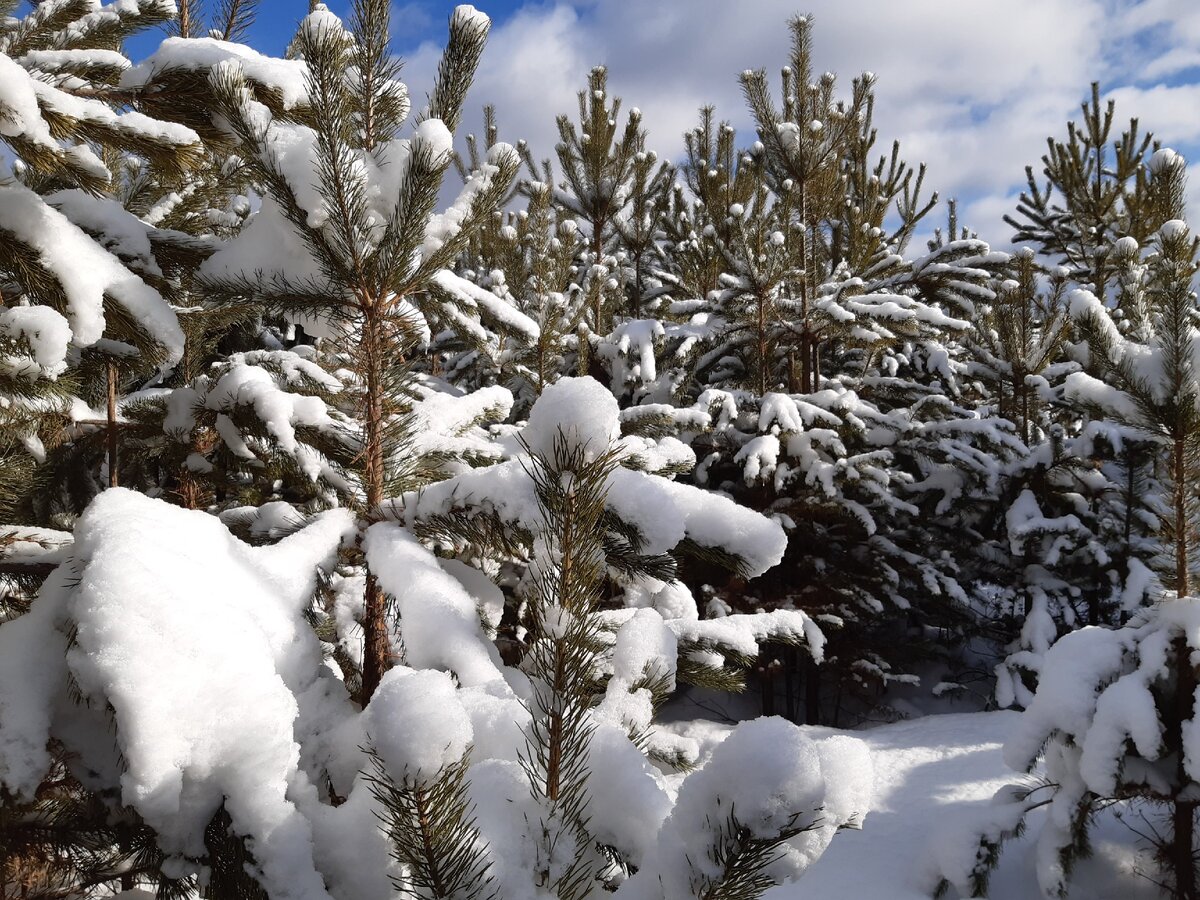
[
  {"x": 1179, "y": 497},
  {"x": 597, "y": 255},
  {"x": 377, "y": 650},
  {"x": 635, "y": 304},
  {"x": 1183, "y": 860},
  {"x": 541, "y": 365},
  {"x": 111, "y": 433},
  {"x": 761, "y": 329},
  {"x": 805, "y": 347},
  {"x": 766, "y": 687},
  {"x": 805, "y": 360},
  {"x": 1183, "y": 817},
  {"x": 1025, "y": 430},
  {"x": 560, "y": 681},
  {"x": 124, "y": 844}
]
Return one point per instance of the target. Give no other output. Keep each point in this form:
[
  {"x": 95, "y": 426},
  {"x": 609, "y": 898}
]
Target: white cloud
[
  {"x": 408, "y": 19},
  {"x": 1172, "y": 113},
  {"x": 1168, "y": 32},
  {"x": 973, "y": 89}
]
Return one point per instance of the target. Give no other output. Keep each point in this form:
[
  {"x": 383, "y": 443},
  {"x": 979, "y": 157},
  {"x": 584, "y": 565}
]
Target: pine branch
[{"x": 431, "y": 825}]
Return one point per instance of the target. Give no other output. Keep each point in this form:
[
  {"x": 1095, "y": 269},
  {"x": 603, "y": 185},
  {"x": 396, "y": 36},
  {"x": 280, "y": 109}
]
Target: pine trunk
[
  {"x": 111, "y": 431},
  {"x": 1183, "y": 860},
  {"x": 635, "y": 302},
  {"x": 760, "y": 325},
  {"x": 124, "y": 844},
  {"x": 1025, "y": 436},
  {"x": 377, "y": 647},
  {"x": 597, "y": 255},
  {"x": 560, "y": 686}
]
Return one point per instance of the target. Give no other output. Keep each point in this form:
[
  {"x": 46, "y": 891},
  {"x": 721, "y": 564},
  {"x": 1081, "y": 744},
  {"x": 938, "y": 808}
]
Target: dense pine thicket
[{"x": 353, "y": 545}]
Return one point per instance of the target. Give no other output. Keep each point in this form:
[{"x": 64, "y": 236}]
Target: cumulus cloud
[
  {"x": 972, "y": 89},
  {"x": 410, "y": 19}
]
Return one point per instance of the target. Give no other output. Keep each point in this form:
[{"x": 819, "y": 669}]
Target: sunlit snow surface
[{"x": 934, "y": 776}]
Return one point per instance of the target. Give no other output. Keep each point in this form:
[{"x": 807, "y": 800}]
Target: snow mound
[
  {"x": 582, "y": 410},
  {"x": 173, "y": 617},
  {"x": 417, "y": 723}
]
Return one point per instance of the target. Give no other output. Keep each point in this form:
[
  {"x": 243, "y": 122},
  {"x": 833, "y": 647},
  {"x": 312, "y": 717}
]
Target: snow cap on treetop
[
  {"x": 582, "y": 409},
  {"x": 417, "y": 723},
  {"x": 466, "y": 14}
]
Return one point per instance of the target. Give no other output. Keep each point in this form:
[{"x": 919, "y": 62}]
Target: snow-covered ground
[{"x": 935, "y": 775}]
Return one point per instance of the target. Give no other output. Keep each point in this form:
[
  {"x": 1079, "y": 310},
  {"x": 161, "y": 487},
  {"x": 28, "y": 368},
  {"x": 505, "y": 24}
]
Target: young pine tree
[
  {"x": 1082, "y": 513},
  {"x": 359, "y": 244},
  {"x": 83, "y": 303},
  {"x": 1095, "y": 193},
  {"x": 75, "y": 309},
  {"x": 832, "y": 357},
  {"x": 1122, "y": 725},
  {"x": 613, "y": 188}
]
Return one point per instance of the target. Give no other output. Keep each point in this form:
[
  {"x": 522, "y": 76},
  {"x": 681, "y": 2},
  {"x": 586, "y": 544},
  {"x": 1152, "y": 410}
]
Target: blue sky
[{"x": 972, "y": 88}]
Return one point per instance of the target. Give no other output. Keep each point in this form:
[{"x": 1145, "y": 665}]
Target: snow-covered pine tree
[
  {"x": 614, "y": 188},
  {"x": 828, "y": 354},
  {"x": 570, "y": 478},
  {"x": 945, "y": 451},
  {"x": 98, "y": 451},
  {"x": 347, "y": 228},
  {"x": 537, "y": 270},
  {"x": 510, "y": 311},
  {"x": 1017, "y": 337},
  {"x": 259, "y": 426},
  {"x": 652, "y": 524},
  {"x": 521, "y": 267},
  {"x": 198, "y": 436},
  {"x": 1158, "y": 394},
  {"x": 596, "y": 678},
  {"x": 1080, "y": 506},
  {"x": 748, "y": 228},
  {"x": 75, "y": 309},
  {"x": 816, "y": 158},
  {"x": 161, "y": 220},
  {"x": 1095, "y": 193},
  {"x": 1114, "y": 713},
  {"x": 1067, "y": 549},
  {"x": 141, "y": 225},
  {"x": 711, "y": 175},
  {"x": 81, "y": 305},
  {"x": 630, "y": 351},
  {"x": 639, "y": 230},
  {"x": 573, "y": 808},
  {"x": 689, "y": 264}
]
